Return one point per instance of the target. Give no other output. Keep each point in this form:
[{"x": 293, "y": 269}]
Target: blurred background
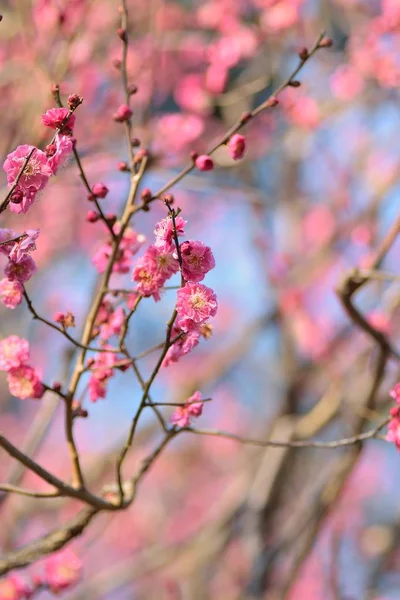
[{"x": 314, "y": 195}]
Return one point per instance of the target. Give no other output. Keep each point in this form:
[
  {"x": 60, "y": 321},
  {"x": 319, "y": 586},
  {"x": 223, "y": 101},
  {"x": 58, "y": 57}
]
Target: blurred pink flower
[
  {"x": 186, "y": 342},
  {"x": 193, "y": 407},
  {"x": 14, "y": 587},
  {"x": 62, "y": 570},
  {"x": 63, "y": 149},
  {"x": 24, "y": 382},
  {"x": 11, "y": 293},
  {"x": 346, "y": 83},
  {"x": 14, "y": 351},
  {"x": 21, "y": 271},
  {"x": 23, "y": 247}
]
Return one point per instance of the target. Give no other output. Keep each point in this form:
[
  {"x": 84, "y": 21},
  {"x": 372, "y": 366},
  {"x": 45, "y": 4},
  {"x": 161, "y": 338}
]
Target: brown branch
[{"x": 47, "y": 544}]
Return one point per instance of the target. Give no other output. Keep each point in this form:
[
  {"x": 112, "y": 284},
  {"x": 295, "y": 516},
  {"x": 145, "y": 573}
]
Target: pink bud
[
  {"x": 271, "y": 102},
  {"x": 74, "y": 101},
  {"x": 92, "y": 216},
  {"x": 50, "y": 150},
  {"x": 57, "y": 386},
  {"x": 204, "y": 163},
  {"x": 237, "y": 146},
  {"x": 117, "y": 63},
  {"x": 123, "y": 113},
  {"x": 122, "y": 34},
  {"x": 17, "y": 196},
  {"x": 123, "y": 166},
  {"x": 59, "y": 317},
  {"x": 100, "y": 190},
  {"x": 111, "y": 218}
]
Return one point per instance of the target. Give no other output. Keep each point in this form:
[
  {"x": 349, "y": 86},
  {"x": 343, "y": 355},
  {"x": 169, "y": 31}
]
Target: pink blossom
[
  {"x": 62, "y": 570},
  {"x": 129, "y": 245},
  {"x": 24, "y": 382},
  {"x": 393, "y": 434},
  {"x": 193, "y": 407},
  {"x": 63, "y": 149},
  {"x": 395, "y": 393},
  {"x": 166, "y": 263},
  {"x": 195, "y": 304},
  {"x": 164, "y": 233},
  {"x": 21, "y": 271},
  {"x": 54, "y": 118},
  {"x": 147, "y": 276},
  {"x": 102, "y": 370},
  {"x": 186, "y": 342},
  {"x": 204, "y": 163},
  {"x": 123, "y": 113},
  {"x": 197, "y": 260},
  {"x": 346, "y": 83},
  {"x": 14, "y": 587},
  {"x": 24, "y": 246},
  {"x": 237, "y": 146},
  {"x": 11, "y": 293},
  {"x": 36, "y": 173},
  {"x": 14, "y": 351},
  {"x": 113, "y": 324}
]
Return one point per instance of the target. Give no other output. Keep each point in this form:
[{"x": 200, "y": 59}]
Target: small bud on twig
[
  {"x": 123, "y": 166},
  {"x": 294, "y": 83},
  {"x": 122, "y": 34},
  {"x": 303, "y": 54},
  {"x": 245, "y": 118},
  {"x": 146, "y": 195},
  {"x": 326, "y": 42},
  {"x": 271, "y": 102}
]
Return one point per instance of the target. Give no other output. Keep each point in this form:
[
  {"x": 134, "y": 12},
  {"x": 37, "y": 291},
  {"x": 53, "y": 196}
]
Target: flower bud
[
  {"x": 17, "y": 196},
  {"x": 74, "y": 101},
  {"x": 100, "y": 190},
  {"x": 237, "y": 146},
  {"x": 245, "y": 118},
  {"x": 294, "y": 83},
  {"x": 135, "y": 142},
  {"x": 111, "y": 218},
  {"x": 58, "y": 317},
  {"x": 132, "y": 89},
  {"x": 204, "y": 163},
  {"x": 117, "y": 63},
  {"x": 92, "y": 216},
  {"x": 50, "y": 150},
  {"x": 168, "y": 198},
  {"x": 123, "y": 166},
  {"x": 326, "y": 42},
  {"x": 122, "y": 114},
  {"x": 194, "y": 155},
  {"x": 271, "y": 102},
  {"x": 146, "y": 195},
  {"x": 122, "y": 34},
  {"x": 303, "y": 54}
]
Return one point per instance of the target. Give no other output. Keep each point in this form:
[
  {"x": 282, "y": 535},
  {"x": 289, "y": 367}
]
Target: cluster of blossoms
[
  {"x": 193, "y": 407},
  {"x": 393, "y": 434},
  {"x": 196, "y": 303},
  {"x": 129, "y": 245},
  {"x": 20, "y": 266},
  {"x": 101, "y": 370},
  {"x": 41, "y": 165},
  {"x": 61, "y": 571},
  {"x": 23, "y": 380}
]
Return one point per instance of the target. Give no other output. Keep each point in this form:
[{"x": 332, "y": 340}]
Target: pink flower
[
  {"x": 130, "y": 244},
  {"x": 193, "y": 407},
  {"x": 14, "y": 351},
  {"x": 148, "y": 278},
  {"x": 102, "y": 370},
  {"x": 5, "y": 235},
  {"x": 54, "y": 118},
  {"x": 123, "y": 113},
  {"x": 24, "y": 246},
  {"x": 112, "y": 325},
  {"x": 237, "y": 146},
  {"x": 346, "y": 83},
  {"x": 63, "y": 149},
  {"x": 164, "y": 233},
  {"x": 186, "y": 342},
  {"x": 204, "y": 163},
  {"x": 197, "y": 260},
  {"x": 195, "y": 304},
  {"x": 393, "y": 434},
  {"x": 165, "y": 263},
  {"x": 11, "y": 293},
  {"x": 24, "y": 382},
  {"x": 35, "y": 176},
  {"x": 181, "y": 417},
  {"x": 395, "y": 393},
  {"x": 62, "y": 570},
  {"x": 14, "y": 587},
  {"x": 21, "y": 271},
  {"x": 100, "y": 190}
]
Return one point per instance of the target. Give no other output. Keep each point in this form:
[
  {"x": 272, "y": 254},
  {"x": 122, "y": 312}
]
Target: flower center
[{"x": 197, "y": 301}]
